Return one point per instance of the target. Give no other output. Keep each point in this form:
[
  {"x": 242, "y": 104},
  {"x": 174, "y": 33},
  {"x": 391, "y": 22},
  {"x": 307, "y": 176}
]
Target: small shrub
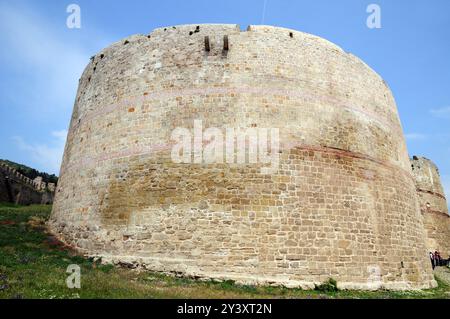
[
  {"x": 251, "y": 289},
  {"x": 227, "y": 284},
  {"x": 328, "y": 286}
]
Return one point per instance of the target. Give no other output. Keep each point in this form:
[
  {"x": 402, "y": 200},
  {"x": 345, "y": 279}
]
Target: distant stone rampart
[
  {"x": 19, "y": 189},
  {"x": 433, "y": 205}
]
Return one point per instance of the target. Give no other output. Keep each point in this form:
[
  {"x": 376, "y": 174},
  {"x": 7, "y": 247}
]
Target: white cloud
[
  {"x": 415, "y": 136},
  {"x": 45, "y": 58},
  {"x": 47, "y": 156},
  {"x": 51, "y": 64},
  {"x": 443, "y": 112}
]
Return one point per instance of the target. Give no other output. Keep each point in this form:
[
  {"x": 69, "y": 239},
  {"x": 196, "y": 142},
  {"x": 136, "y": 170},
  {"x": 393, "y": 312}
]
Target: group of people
[{"x": 437, "y": 260}]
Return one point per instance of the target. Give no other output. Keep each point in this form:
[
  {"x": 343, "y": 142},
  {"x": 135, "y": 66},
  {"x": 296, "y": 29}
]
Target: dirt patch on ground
[
  {"x": 55, "y": 243},
  {"x": 36, "y": 222},
  {"x": 7, "y": 222}
]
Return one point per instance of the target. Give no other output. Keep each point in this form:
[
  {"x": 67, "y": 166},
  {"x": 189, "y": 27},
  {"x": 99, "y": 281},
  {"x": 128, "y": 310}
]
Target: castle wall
[
  {"x": 4, "y": 191},
  {"x": 47, "y": 198},
  {"x": 342, "y": 203},
  {"x": 24, "y": 194},
  {"x": 433, "y": 205},
  {"x": 19, "y": 189}
]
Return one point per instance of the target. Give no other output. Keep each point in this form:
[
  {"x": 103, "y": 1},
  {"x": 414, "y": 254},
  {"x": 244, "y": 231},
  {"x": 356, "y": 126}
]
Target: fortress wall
[
  {"x": 19, "y": 189},
  {"x": 342, "y": 203},
  {"x": 437, "y": 226},
  {"x": 47, "y": 198},
  {"x": 433, "y": 205},
  {"x": 24, "y": 194},
  {"x": 4, "y": 195}
]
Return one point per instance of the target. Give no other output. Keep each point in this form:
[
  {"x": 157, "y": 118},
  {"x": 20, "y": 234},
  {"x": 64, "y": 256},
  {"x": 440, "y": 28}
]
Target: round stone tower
[
  {"x": 433, "y": 205},
  {"x": 337, "y": 198}
]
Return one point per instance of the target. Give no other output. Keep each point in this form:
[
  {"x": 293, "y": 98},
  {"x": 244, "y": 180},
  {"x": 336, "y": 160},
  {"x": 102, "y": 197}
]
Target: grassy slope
[{"x": 33, "y": 265}]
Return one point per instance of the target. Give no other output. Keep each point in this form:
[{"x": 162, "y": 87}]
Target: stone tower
[
  {"x": 433, "y": 205},
  {"x": 341, "y": 203}
]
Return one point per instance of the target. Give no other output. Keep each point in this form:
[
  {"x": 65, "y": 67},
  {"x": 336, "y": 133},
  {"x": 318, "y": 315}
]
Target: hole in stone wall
[
  {"x": 291, "y": 34},
  {"x": 126, "y": 42},
  {"x": 197, "y": 29},
  {"x": 102, "y": 56},
  {"x": 225, "y": 43},
  {"x": 207, "y": 46}
]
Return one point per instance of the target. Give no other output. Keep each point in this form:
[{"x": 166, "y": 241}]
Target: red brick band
[{"x": 431, "y": 193}]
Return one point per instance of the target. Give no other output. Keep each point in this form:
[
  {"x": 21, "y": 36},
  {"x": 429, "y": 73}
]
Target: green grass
[{"x": 33, "y": 265}]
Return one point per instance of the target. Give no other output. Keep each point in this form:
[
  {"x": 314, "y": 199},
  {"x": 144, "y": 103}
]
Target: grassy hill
[
  {"x": 31, "y": 172},
  {"x": 33, "y": 265}
]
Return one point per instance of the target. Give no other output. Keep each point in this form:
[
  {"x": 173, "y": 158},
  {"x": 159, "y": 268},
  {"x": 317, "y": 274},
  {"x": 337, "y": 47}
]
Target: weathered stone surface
[
  {"x": 341, "y": 204},
  {"x": 433, "y": 205}
]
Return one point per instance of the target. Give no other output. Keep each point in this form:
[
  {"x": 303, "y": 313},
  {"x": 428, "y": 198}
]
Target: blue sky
[{"x": 41, "y": 59}]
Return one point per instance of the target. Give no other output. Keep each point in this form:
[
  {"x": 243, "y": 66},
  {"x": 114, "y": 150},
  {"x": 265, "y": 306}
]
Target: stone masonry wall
[
  {"x": 341, "y": 204},
  {"x": 19, "y": 189},
  {"x": 433, "y": 205},
  {"x": 4, "y": 189}
]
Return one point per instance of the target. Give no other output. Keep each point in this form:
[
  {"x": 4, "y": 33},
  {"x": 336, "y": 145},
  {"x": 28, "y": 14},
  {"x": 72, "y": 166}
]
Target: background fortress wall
[
  {"x": 4, "y": 192},
  {"x": 432, "y": 204},
  {"x": 19, "y": 189},
  {"x": 342, "y": 204}
]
